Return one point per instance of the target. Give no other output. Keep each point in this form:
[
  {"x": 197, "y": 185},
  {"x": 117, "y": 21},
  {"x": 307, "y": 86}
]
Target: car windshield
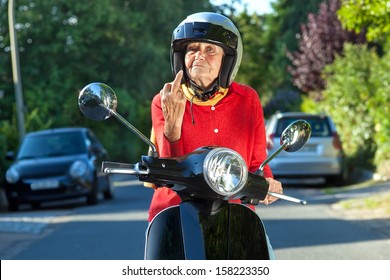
[
  {"x": 319, "y": 125},
  {"x": 54, "y": 144}
]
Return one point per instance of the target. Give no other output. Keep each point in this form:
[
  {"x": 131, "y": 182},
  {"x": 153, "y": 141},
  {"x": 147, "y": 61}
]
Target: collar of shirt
[{"x": 190, "y": 95}]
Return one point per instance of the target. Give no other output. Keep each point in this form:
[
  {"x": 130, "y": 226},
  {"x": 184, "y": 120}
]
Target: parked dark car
[
  {"x": 322, "y": 155},
  {"x": 57, "y": 164}
]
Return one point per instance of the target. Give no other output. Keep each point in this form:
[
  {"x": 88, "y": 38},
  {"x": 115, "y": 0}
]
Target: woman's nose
[{"x": 200, "y": 54}]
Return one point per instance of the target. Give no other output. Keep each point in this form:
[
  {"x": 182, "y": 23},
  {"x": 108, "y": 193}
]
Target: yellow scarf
[{"x": 190, "y": 95}]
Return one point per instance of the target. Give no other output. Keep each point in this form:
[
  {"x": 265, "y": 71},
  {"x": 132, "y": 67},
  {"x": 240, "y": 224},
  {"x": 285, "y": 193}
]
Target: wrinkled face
[{"x": 203, "y": 62}]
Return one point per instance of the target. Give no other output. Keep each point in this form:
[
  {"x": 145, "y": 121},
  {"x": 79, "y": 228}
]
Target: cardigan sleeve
[
  {"x": 259, "y": 152},
  {"x": 261, "y": 145}
]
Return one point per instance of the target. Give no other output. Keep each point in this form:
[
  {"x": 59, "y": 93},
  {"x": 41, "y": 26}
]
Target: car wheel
[
  {"x": 13, "y": 206},
  {"x": 35, "y": 205},
  {"x": 92, "y": 197},
  {"x": 339, "y": 179},
  {"x": 335, "y": 180},
  {"x": 108, "y": 193}
]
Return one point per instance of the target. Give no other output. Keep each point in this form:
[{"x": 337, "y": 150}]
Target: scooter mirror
[
  {"x": 295, "y": 135},
  {"x": 97, "y": 101},
  {"x": 292, "y": 139}
]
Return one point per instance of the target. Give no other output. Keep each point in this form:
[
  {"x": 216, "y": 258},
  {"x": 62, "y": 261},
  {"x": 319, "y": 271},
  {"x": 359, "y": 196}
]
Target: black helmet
[{"x": 212, "y": 28}]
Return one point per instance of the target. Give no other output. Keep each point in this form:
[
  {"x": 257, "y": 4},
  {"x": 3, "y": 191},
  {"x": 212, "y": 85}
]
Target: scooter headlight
[{"x": 225, "y": 171}]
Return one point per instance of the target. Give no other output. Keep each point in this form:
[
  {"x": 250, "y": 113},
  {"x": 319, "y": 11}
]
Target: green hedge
[{"x": 357, "y": 96}]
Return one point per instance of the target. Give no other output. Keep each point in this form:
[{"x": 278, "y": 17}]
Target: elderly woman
[{"x": 203, "y": 106}]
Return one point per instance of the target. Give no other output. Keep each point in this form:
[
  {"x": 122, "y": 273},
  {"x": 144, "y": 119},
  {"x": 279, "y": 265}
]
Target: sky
[{"x": 258, "y": 6}]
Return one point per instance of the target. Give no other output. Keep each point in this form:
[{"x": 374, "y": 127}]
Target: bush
[
  {"x": 345, "y": 99},
  {"x": 357, "y": 98},
  {"x": 380, "y": 109}
]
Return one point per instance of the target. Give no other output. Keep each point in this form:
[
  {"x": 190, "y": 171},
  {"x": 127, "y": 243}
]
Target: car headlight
[
  {"x": 12, "y": 175},
  {"x": 225, "y": 171},
  {"x": 78, "y": 169}
]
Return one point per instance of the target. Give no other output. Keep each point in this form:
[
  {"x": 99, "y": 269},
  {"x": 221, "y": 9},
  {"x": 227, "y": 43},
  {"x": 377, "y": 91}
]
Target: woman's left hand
[{"x": 274, "y": 186}]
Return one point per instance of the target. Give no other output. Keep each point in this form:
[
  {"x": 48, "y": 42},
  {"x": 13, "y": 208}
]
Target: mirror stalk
[
  {"x": 261, "y": 173},
  {"x": 271, "y": 157},
  {"x": 291, "y": 140},
  {"x": 153, "y": 150}
]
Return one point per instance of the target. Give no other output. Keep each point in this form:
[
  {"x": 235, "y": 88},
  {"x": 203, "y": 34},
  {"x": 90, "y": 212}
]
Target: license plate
[{"x": 46, "y": 184}]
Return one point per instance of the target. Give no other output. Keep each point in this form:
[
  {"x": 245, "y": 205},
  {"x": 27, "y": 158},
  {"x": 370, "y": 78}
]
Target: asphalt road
[
  {"x": 110, "y": 230},
  {"x": 317, "y": 231},
  {"x": 115, "y": 230}
]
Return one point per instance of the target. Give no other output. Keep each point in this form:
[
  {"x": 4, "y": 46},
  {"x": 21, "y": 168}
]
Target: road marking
[{"x": 33, "y": 223}]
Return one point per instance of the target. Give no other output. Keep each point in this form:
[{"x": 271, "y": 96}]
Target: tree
[
  {"x": 370, "y": 15},
  {"x": 66, "y": 44},
  {"x": 266, "y": 38},
  {"x": 253, "y": 65},
  {"x": 281, "y": 29},
  {"x": 320, "y": 41},
  {"x": 357, "y": 82}
]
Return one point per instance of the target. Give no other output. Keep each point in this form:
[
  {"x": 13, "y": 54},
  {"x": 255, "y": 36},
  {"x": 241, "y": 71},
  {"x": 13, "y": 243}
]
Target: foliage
[
  {"x": 8, "y": 128},
  {"x": 254, "y": 62},
  {"x": 66, "y": 44},
  {"x": 370, "y": 15},
  {"x": 320, "y": 41},
  {"x": 308, "y": 105},
  {"x": 280, "y": 31},
  {"x": 266, "y": 38},
  {"x": 380, "y": 111},
  {"x": 373, "y": 17},
  {"x": 283, "y": 101},
  {"x": 9, "y": 135},
  {"x": 280, "y": 37},
  {"x": 355, "y": 84}
]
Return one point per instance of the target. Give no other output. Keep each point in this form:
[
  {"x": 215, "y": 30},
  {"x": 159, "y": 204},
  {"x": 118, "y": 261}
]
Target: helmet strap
[{"x": 204, "y": 94}]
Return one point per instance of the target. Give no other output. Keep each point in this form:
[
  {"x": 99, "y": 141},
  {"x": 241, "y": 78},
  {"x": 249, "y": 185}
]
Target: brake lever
[{"x": 289, "y": 198}]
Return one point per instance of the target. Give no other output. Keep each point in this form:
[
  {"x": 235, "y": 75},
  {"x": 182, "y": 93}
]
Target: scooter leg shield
[
  {"x": 247, "y": 237},
  {"x": 184, "y": 232},
  {"x": 164, "y": 236}
]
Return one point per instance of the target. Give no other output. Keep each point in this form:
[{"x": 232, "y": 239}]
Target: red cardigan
[{"x": 235, "y": 122}]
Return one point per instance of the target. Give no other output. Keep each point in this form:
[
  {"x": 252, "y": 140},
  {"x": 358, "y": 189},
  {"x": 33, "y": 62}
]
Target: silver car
[{"x": 321, "y": 156}]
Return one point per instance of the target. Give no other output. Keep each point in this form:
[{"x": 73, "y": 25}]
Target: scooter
[{"x": 205, "y": 225}]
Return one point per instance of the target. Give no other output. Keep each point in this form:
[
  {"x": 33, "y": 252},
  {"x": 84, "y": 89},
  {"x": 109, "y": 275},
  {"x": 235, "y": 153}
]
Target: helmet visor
[{"x": 204, "y": 32}]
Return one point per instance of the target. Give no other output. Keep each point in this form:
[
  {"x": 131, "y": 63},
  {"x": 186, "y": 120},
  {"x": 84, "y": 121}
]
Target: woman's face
[{"x": 203, "y": 62}]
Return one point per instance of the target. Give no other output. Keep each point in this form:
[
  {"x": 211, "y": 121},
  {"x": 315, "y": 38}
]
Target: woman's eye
[
  {"x": 191, "y": 50},
  {"x": 210, "y": 50}
]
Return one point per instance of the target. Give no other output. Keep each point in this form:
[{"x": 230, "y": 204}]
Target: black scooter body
[{"x": 186, "y": 232}]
